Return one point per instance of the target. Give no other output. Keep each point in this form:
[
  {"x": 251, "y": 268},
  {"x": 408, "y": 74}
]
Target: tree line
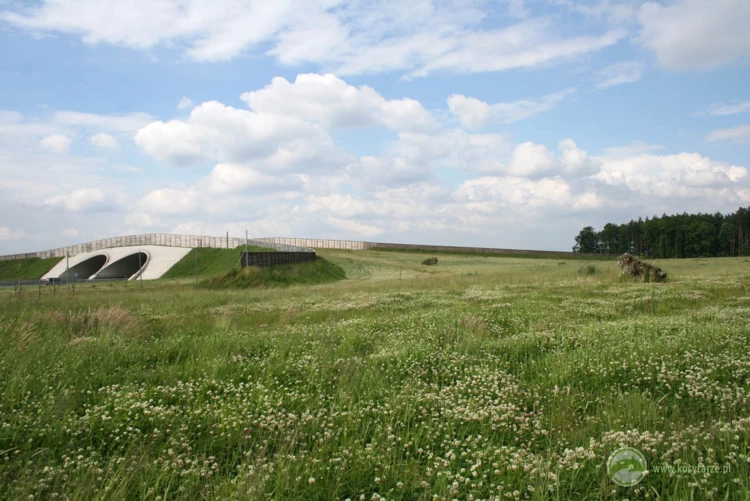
[{"x": 676, "y": 236}]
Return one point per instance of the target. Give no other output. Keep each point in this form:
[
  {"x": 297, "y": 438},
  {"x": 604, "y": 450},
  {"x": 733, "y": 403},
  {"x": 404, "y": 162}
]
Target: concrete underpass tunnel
[
  {"x": 126, "y": 267},
  {"x": 85, "y": 268}
]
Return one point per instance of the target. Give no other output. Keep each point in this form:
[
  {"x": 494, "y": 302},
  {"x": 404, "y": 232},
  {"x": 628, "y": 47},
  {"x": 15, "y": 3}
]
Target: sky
[{"x": 500, "y": 123}]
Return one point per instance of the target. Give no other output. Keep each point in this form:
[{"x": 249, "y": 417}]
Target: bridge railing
[{"x": 164, "y": 239}]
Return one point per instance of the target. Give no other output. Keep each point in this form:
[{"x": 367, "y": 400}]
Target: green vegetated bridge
[{"x": 151, "y": 256}]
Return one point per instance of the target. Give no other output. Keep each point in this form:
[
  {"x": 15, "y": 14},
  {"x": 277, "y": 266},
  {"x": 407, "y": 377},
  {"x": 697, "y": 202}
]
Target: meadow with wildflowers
[{"x": 480, "y": 378}]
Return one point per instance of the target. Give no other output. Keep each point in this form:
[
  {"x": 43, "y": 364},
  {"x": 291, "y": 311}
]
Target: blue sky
[{"x": 507, "y": 123}]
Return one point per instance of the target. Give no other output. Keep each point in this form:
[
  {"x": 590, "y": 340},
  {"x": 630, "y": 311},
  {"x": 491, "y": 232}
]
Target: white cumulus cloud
[
  {"x": 720, "y": 110},
  {"x": 684, "y": 175},
  {"x": 185, "y": 103},
  {"x": 696, "y": 34},
  {"x": 85, "y": 200},
  {"x": 620, "y": 73},
  {"x": 475, "y": 114},
  {"x": 103, "y": 140},
  {"x": 221, "y": 133},
  {"x": 57, "y": 143},
  {"x": 9, "y": 233},
  {"x": 334, "y": 103},
  {"x": 739, "y": 134},
  {"x": 492, "y": 194},
  {"x": 536, "y": 161},
  {"x": 169, "y": 201}
]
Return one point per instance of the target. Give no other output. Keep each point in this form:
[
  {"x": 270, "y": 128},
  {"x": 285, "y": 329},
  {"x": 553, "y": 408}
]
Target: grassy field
[
  {"x": 29, "y": 268},
  {"x": 479, "y": 378}
]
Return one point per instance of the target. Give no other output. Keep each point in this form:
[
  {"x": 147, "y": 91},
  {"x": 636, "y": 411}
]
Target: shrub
[{"x": 587, "y": 269}]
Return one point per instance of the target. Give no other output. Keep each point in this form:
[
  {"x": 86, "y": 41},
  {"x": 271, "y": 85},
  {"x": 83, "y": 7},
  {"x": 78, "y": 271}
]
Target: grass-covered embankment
[
  {"x": 210, "y": 261},
  {"x": 29, "y": 268},
  {"x": 319, "y": 271}
]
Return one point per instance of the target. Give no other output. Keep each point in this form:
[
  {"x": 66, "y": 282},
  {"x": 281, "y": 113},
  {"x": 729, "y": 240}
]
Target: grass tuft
[{"x": 587, "y": 269}]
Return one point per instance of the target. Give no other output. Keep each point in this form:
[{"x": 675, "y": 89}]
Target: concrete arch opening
[
  {"x": 86, "y": 268},
  {"x": 125, "y": 267}
]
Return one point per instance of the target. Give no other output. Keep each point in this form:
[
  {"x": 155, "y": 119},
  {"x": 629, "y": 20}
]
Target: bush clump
[
  {"x": 430, "y": 261},
  {"x": 587, "y": 269}
]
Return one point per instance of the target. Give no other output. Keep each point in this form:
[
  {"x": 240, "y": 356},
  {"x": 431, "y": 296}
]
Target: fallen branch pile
[{"x": 634, "y": 267}]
